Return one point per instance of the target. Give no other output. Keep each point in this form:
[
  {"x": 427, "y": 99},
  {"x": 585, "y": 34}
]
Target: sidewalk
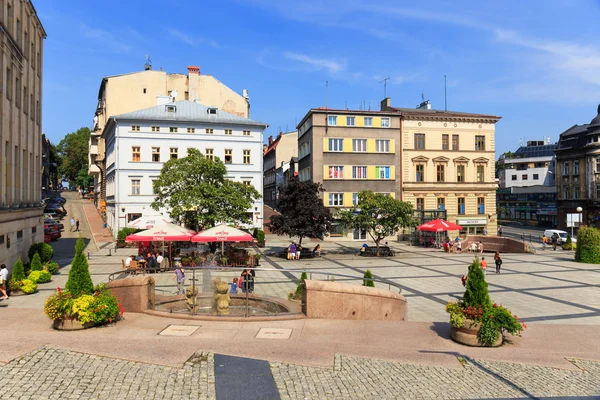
[{"x": 101, "y": 235}]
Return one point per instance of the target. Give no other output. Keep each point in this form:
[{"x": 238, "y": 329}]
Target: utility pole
[{"x": 385, "y": 87}]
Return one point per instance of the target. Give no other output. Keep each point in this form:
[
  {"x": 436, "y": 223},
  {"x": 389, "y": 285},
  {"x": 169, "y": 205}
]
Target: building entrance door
[{"x": 359, "y": 234}]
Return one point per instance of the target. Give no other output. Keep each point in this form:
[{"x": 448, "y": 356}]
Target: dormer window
[
  {"x": 211, "y": 110},
  {"x": 171, "y": 109}
]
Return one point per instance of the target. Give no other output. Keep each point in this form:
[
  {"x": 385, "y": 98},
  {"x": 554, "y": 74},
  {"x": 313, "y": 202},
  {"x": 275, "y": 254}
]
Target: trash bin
[{"x": 104, "y": 225}]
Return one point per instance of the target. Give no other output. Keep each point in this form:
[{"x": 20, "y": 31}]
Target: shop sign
[{"x": 472, "y": 222}]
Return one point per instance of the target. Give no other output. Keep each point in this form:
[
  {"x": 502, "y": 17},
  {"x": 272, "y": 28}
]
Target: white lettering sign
[{"x": 472, "y": 222}]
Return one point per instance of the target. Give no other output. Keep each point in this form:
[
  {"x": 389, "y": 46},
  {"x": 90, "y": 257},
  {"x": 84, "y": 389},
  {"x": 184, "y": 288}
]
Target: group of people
[
  {"x": 452, "y": 246},
  {"x": 295, "y": 250},
  {"x": 553, "y": 240},
  {"x": 245, "y": 282},
  {"x": 153, "y": 261},
  {"x": 74, "y": 224}
]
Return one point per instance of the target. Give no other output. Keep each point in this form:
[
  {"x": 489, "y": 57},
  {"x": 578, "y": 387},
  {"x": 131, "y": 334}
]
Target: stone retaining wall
[{"x": 135, "y": 293}]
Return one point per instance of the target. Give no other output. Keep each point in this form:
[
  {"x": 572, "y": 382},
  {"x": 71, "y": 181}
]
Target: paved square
[
  {"x": 274, "y": 333},
  {"x": 179, "y": 330}
]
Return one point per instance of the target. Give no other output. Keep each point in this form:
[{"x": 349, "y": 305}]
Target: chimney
[
  {"x": 386, "y": 104},
  {"x": 193, "y": 84},
  {"x": 193, "y": 70}
]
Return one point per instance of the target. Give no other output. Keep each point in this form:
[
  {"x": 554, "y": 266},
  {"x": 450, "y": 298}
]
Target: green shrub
[
  {"x": 43, "y": 249},
  {"x": 52, "y": 267},
  {"x": 28, "y": 286},
  {"x": 368, "y": 279},
  {"x": 123, "y": 233},
  {"x": 100, "y": 307},
  {"x": 79, "y": 281},
  {"x": 18, "y": 272},
  {"x": 568, "y": 245},
  {"x": 260, "y": 236},
  {"x": 36, "y": 263},
  {"x": 300, "y": 288},
  {"x": 588, "y": 246},
  {"x": 254, "y": 233},
  {"x": 476, "y": 293},
  {"x": 14, "y": 284},
  {"x": 41, "y": 276}
]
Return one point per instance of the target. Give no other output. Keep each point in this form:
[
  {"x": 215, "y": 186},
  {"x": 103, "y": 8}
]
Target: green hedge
[
  {"x": 43, "y": 249},
  {"x": 588, "y": 246},
  {"x": 123, "y": 233}
]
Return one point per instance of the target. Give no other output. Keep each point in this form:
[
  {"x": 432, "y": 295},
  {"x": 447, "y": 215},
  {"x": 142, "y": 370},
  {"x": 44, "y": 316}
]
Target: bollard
[
  {"x": 109, "y": 252},
  {"x": 88, "y": 255}
]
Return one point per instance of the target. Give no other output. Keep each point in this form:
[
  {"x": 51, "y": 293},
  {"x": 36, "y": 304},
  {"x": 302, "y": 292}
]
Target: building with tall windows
[
  {"x": 21, "y": 54},
  {"x": 447, "y": 161},
  {"x": 138, "y": 143},
  {"x": 349, "y": 151},
  {"x": 278, "y": 153}
]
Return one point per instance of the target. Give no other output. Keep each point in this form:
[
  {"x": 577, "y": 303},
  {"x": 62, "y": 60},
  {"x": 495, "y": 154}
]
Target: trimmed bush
[
  {"x": 368, "y": 279},
  {"x": 18, "y": 272},
  {"x": 41, "y": 276},
  {"x": 476, "y": 293},
  {"x": 44, "y": 250},
  {"x": 36, "y": 263},
  {"x": 123, "y": 233},
  {"x": 80, "y": 281},
  {"x": 28, "y": 286},
  {"x": 260, "y": 236},
  {"x": 300, "y": 288},
  {"x": 52, "y": 267},
  {"x": 588, "y": 246}
]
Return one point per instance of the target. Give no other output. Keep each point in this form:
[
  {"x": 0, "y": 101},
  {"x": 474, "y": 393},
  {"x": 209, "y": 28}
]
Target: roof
[
  {"x": 325, "y": 110},
  {"x": 574, "y": 137},
  {"x": 441, "y": 113},
  {"x": 188, "y": 111},
  {"x": 536, "y": 151}
]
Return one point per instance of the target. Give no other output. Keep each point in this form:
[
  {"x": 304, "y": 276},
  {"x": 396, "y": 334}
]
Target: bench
[
  {"x": 304, "y": 253},
  {"x": 384, "y": 251}
]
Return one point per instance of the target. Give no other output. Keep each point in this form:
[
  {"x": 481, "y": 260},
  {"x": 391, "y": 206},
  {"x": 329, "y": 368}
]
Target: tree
[
  {"x": 588, "y": 246},
  {"x": 368, "y": 279},
  {"x": 195, "y": 189},
  {"x": 79, "y": 281},
  {"x": 303, "y": 213},
  {"x": 476, "y": 293},
  {"x": 73, "y": 152},
  {"x": 381, "y": 215},
  {"x": 36, "y": 263},
  {"x": 18, "y": 272}
]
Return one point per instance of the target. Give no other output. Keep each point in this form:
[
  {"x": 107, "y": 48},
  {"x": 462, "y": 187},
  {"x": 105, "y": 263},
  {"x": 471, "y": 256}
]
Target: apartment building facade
[
  {"x": 279, "y": 151},
  {"x": 119, "y": 94},
  {"x": 447, "y": 161},
  {"x": 21, "y": 55},
  {"x": 349, "y": 151},
  {"x": 578, "y": 173},
  {"x": 140, "y": 142}
]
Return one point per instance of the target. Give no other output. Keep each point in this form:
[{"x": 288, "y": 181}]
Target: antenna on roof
[
  {"x": 326, "y": 94},
  {"x": 385, "y": 86},
  {"x": 148, "y": 65},
  {"x": 369, "y": 106}
]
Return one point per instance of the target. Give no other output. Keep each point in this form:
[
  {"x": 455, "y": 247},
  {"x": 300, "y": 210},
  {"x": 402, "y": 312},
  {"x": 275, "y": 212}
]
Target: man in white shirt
[
  {"x": 159, "y": 259},
  {"x": 4, "y": 275},
  {"x": 128, "y": 261}
]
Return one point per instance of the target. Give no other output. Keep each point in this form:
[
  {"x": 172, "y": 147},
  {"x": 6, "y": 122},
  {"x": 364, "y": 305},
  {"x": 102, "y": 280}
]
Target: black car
[{"x": 58, "y": 210}]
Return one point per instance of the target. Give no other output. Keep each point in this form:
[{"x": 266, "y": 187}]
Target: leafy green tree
[
  {"x": 368, "y": 279},
  {"x": 588, "y": 246},
  {"x": 79, "y": 281},
  {"x": 379, "y": 214},
  {"x": 195, "y": 189},
  {"x": 73, "y": 153},
  {"x": 36, "y": 263},
  {"x": 18, "y": 272},
  {"x": 303, "y": 213},
  {"x": 43, "y": 249},
  {"x": 476, "y": 293}
]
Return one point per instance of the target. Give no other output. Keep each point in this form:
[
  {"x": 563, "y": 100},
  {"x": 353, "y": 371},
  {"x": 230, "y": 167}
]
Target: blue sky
[{"x": 535, "y": 63}]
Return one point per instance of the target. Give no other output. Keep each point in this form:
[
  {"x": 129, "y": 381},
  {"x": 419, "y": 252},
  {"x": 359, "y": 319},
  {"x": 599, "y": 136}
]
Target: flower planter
[
  {"x": 467, "y": 335},
  {"x": 71, "y": 325},
  {"x": 15, "y": 293}
]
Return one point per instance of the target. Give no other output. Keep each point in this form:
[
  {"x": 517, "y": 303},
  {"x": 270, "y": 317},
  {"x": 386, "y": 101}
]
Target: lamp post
[{"x": 579, "y": 210}]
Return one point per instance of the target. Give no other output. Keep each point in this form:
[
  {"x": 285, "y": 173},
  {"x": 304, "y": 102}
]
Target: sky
[{"x": 534, "y": 63}]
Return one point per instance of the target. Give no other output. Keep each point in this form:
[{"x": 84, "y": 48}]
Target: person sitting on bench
[{"x": 317, "y": 251}]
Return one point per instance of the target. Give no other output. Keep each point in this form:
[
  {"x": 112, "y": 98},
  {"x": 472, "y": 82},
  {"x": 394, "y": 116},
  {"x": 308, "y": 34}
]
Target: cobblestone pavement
[{"x": 358, "y": 378}]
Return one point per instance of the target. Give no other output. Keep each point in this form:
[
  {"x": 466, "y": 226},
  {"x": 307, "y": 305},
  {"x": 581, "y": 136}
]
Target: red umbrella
[
  {"x": 222, "y": 233},
  {"x": 439, "y": 225},
  {"x": 167, "y": 233}
]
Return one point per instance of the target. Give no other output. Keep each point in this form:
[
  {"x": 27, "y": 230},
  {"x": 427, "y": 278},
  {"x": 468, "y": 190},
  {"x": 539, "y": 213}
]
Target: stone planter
[
  {"x": 467, "y": 335},
  {"x": 71, "y": 325}
]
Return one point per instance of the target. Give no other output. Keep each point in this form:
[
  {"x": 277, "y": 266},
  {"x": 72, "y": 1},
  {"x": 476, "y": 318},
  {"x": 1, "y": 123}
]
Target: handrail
[{"x": 111, "y": 277}]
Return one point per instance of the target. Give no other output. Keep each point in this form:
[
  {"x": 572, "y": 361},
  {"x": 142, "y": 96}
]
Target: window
[
  {"x": 420, "y": 203},
  {"x": 336, "y": 144},
  {"x": 18, "y": 92},
  {"x": 135, "y": 154},
  {"x": 524, "y": 177},
  {"x": 454, "y": 142},
  {"x": 247, "y": 183},
  {"x": 304, "y": 150},
  {"x": 460, "y": 173},
  {"x": 1, "y": 239},
  {"x": 25, "y": 100},
  {"x": 172, "y": 129},
  {"x": 368, "y": 121},
  {"x": 441, "y": 203},
  {"x": 8, "y": 83},
  {"x": 513, "y": 178},
  {"x": 135, "y": 128},
  {"x": 20, "y": 235},
  {"x": 480, "y": 173},
  {"x": 536, "y": 177},
  {"x": 419, "y": 141},
  {"x": 566, "y": 192},
  {"x": 171, "y": 109},
  {"x": 210, "y": 131},
  {"x": 191, "y": 130},
  {"x": 210, "y": 154},
  {"x": 566, "y": 168},
  {"x": 246, "y": 156},
  {"x": 228, "y": 132},
  {"x": 480, "y": 143},
  {"x": 382, "y": 172},
  {"x": 576, "y": 193},
  {"x": 385, "y": 122},
  {"x": 336, "y": 172},
  {"x": 18, "y": 35},
  {"x": 135, "y": 187},
  {"x": 144, "y": 90},
  {"x": 174, "y": 153},
  {"x": 228, "y": 156},
  {"x": 246, "y": 133},
  {"x": 441, "y": 173},
  {"x": 598, "y": 165},
  {"x": 332, "y": 120},
  {"x": 152, "y": 187},
  {"x": 576, "y": 167},
  {"x": 445, "y": 144},
  {"x": 354, "y": 199},
  {"x": 336, "y": 199},
  {"x": 359, "y": 172},
  {"x": 461, "y": 205},
  {"x": 349, "y": 121},
  {"x": 382, "y": 146},
  {"x": 359, "y": 145},
  {"x": 420, "y": 169},
  {"x": 304, "y": 175},
  {"x": 481, "y": 205},
  {"x": 156, "y": 154},
  {"x": 34, "y": 229}
]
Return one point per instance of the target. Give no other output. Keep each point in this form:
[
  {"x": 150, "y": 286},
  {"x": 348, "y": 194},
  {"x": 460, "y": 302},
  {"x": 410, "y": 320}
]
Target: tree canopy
[
  {"x": 381, "y": 215},
  {"x": 73, "y": 150},
  {"x": 195, "y": 188},
  {"x": 302, "y": 211}
]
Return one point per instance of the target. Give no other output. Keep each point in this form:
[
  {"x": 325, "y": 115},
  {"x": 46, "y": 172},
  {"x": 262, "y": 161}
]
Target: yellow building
[{"x": 447, "y": 162}]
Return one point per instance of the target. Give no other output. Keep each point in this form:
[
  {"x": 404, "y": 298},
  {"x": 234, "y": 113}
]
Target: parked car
[
  {"x": 47, "y": 238},
  {"x": 58, "y": 199},
  {"x": 58, "y": 210},
  {"x": 54, "y": 234},
  {"x": 562, "y": 236},
  {"x": 51, "y": 217},
  {"x": 54, "y": 223}
]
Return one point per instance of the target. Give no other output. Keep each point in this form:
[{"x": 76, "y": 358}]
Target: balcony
[
  {"x": 93, "y": 151},
  {"x": 93, "y": 169}
]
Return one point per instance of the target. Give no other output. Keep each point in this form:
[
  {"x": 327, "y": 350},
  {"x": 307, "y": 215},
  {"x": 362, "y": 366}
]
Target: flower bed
[{"x": 42, "y": 276}]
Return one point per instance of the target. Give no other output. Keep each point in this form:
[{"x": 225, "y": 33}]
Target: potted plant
[
  {"x": 297, "y": 294},
  {"x": 475, "y": 320},
  {"x": 18, "y": 284}
]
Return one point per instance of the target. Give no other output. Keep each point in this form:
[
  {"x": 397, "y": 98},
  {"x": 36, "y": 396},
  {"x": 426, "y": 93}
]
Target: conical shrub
[
  {"x": 300, "y": 287},
  {"x": 79, "y": 281},
  {"x": 588, "y": 245},
  {"x": 477, "y": 288},
  {"x": 36, "y": 263},
  {"x": 368, "y": 279},
  {"x": 18, "y": 272}
]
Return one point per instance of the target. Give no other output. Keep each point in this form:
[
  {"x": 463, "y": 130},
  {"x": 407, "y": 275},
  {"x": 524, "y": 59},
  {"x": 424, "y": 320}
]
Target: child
[
  {"x": 234, "y": 286},
  {"x": 483, "y": 265}
]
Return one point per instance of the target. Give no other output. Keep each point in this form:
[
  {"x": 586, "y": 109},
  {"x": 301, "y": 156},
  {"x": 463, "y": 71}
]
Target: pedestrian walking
[
  {"x": 77, "y": 225},
  {"x": 500, "y": 231},
  {"x": 483, "y": 265},
  {"x": 484, "y": 232},
  {"x": 72, "y": 224},
  {"x": 3, "y": 280},
  {"x": 498, "y": 260},
  {"x": 180, "y": 276},
  {"x": 292, "y": 251}
]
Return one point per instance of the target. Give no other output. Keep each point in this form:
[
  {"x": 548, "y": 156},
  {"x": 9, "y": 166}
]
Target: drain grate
[{"x": 179, "y": 330}]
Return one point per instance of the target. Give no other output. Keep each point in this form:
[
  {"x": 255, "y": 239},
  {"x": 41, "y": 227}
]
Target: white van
[{"x": 562, "y": 236}]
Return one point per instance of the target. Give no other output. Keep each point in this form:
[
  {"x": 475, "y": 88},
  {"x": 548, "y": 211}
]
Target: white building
[
  {"x": 140, "y": 142},
  {"x": 531, "y": 165}
]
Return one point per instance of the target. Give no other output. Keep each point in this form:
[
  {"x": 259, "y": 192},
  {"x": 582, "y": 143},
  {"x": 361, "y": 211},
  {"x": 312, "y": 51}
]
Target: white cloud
[
  {"x": 106, "y": 39},
  {"x": 192, "y": 41},
  {"x": 317, "y": 63}
]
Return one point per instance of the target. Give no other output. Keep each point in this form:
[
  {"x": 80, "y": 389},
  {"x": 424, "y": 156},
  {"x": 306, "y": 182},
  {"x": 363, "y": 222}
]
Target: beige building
[
  {"x": 21, "y": 55},
  {"x": 120, "y": 94},
  {"x": 349, "y": 151},
  {"x": 447, "y": 162},
  {"x": 278, "y": 152}
]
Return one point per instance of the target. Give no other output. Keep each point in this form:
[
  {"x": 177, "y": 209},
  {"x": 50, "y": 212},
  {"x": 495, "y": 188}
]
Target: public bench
[{"x": 371, "y": 251}]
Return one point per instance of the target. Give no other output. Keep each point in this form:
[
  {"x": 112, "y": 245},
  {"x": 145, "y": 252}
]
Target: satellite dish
[{"x": 174, "y": 94}]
